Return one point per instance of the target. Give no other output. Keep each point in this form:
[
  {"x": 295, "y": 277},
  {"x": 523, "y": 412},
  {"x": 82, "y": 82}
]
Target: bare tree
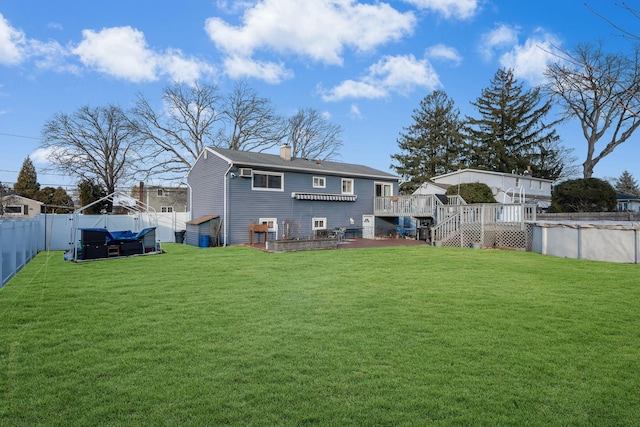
[
  {"x": 312, "y": 136},
  {"x": 601, "y": 91},
  {"x": 7, "y": 198},
  {"x": 94, "y": 143},
  {"x": 624, "y": 6},
  {"x": 251, "y": 122},
  {"x": 186, "y": 126}
]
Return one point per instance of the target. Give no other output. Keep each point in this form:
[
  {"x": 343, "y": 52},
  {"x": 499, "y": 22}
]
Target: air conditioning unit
[{"x": 245, "y": 172}]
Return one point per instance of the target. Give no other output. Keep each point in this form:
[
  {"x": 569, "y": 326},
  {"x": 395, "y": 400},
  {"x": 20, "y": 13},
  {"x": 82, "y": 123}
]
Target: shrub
[
  {"x": 583, "y": 195},
  {"x": 472, "y": 192}
]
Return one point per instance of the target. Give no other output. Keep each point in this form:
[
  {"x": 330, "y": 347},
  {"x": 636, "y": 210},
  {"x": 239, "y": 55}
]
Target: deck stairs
[{"x": 456, "y": 223}]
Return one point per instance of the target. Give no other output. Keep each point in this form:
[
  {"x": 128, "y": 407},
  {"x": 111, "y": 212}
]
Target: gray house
[{"x": 292, "y": 197}]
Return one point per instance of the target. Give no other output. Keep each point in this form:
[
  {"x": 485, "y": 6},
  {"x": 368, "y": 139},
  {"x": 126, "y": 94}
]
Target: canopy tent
[{"x": 105, "y": 240}]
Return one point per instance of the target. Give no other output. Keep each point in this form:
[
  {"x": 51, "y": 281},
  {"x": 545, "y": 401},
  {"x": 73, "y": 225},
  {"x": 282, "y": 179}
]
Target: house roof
[
  {"x": 626, "y": 197},
  {"x": 465, "y": 171},
  {"x": 202, "y": 220},
  {"x": 15, "y": 198},
  {"x": 321, "y": 167}
]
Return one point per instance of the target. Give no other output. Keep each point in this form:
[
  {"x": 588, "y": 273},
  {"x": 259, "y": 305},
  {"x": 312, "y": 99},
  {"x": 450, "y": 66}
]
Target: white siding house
[{"x": 506, "y": 187}]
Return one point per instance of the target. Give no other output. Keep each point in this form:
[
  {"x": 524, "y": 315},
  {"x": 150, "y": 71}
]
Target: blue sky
[{"x": 365, "y": 64}]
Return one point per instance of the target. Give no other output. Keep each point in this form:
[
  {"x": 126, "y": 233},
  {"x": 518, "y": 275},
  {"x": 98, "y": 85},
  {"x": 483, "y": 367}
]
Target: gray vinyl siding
[
  {"x": 247, "y": 206},
  {"x": 207, "y": 183},
  {"x": 206, "y": 180}
]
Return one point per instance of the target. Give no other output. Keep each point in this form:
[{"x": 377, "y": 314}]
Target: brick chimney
[{"x": 285, "y": 152}]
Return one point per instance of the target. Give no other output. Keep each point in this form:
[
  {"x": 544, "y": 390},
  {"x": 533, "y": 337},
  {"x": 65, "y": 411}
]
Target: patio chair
[{"x": 338, "y": 233}]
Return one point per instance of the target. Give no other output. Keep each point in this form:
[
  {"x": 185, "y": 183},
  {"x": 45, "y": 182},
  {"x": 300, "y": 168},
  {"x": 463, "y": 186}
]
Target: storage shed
[{"x": 204, "y": 231}]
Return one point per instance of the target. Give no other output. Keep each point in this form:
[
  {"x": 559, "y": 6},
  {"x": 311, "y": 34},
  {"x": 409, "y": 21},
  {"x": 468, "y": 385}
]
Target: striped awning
[{"x": 325, "y": 197}]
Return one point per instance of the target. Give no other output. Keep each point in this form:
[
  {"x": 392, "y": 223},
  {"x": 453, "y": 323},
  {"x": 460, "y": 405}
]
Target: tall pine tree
[
  {"x": 511, "y": 133},
  {"x": 27, "y": 184},
  {"x": 432, "y": 145},
  {"x": 626, "y": 184}
]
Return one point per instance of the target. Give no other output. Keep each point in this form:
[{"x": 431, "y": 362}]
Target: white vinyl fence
[
  {"x": 18, "y": 245},
  {"x": 56, "y": 229},
  {"x": 22, "y": 239}
]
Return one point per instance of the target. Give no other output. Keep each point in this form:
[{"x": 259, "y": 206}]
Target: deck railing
[
  {"x": 462, "y": 225},
  {"x": 415, "y": 205}
]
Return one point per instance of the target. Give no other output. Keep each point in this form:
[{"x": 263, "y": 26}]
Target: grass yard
[{"x": 385, "y": 336}]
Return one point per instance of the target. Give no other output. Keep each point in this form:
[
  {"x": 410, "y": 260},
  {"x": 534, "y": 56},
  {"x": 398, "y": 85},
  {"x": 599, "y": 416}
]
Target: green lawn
[{"x": 386, "y": 336}]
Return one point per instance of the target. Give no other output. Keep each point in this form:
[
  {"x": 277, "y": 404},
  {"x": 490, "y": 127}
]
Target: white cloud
[
  {"x": 16, "y": 48},
  {"x": 319, "y": 30},
  {"x": 123, "y": 52},
  {"x": 392, "y": 74},
  {"x": 119, "y": 51},
  {"x": 529, "y": 61},
  {"x": 55, "y": 26},
  {"x": 460, "y": 9},
  {"x": 178, "y": 68},
  {"x": 354, "y": 112},
  {"x": 41, "y": 155},
  {"x": 12, "y": 43},
  {"x": 354, "y": 89},
  {"x": 500, "y": 37},
  {"x": 241, "y": 67},
  {"x": 441, "y": 51},
  {"x": 52, "y": 56}
]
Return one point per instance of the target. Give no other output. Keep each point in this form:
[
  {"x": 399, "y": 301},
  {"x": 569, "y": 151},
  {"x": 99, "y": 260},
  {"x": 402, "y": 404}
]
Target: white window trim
[
  {"x": 384, "y": 184},
  {"x": 272, "y": 223},
  {"x": 160, "y": 192},
  {"x": 323, "y": 179},
  {"x": 342, "y": 181},
  {"x": 318, "y": 219},
  {"x": 166, "y": 209},
  {"x": 256, "y": 172}
]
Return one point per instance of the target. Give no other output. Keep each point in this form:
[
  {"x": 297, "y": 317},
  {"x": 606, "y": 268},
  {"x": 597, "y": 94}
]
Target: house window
[
  {"x": 319, "y": 182},
  {"x": 14, "y": 210},
  {"x": 347, "y": 186},
  {"x": 268, "y": 181},
  {"x": 166, "y": 209},
  {"x": 161, "y": 192},
  {"x": 272, "y": 224},
  {"x": 383, "y": 189},
  {"x": 319, "y": 224},
  {"x": 517, "y": 182}
]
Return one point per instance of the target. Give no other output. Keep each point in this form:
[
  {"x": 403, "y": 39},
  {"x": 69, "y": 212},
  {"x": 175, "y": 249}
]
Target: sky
[{"x": 366, "y": 65}]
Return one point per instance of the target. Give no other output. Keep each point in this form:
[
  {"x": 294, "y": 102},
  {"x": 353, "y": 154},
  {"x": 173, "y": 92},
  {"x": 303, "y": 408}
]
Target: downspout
[
  {"x": 190, "y": 216},
  {"x": 225, "y": 205}
]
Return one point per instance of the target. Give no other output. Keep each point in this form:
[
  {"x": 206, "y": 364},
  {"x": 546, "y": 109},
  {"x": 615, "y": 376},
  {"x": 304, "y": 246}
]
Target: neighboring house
[
  {"x": 506, "y": 187},
  {"x": 166, "y": 199},
  {"x": 295, "y": 198},
  {"x": 13, "y": 206},
  {"x": 628, "y": 203}
]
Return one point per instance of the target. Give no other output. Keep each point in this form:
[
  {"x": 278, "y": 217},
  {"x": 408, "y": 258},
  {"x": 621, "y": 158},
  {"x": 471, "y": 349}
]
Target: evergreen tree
[
  {"x": 626, "y": 184},
  {"x": 27, "y": 184},
  {"x": 89, "y": 192},
  {"x": 56, "y": 200},
  {"x": 583, "y": 195},
  {"x": 432, "y": 145},
  {"x": 511, "y": 132}
]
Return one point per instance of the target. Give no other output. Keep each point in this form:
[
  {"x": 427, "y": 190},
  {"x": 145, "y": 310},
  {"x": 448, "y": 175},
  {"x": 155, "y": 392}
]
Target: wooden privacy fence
[{"x": 18, "y": 245}]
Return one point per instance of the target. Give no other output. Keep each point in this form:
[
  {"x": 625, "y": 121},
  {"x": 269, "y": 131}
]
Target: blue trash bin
[{"x": 205, "y": 241}]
